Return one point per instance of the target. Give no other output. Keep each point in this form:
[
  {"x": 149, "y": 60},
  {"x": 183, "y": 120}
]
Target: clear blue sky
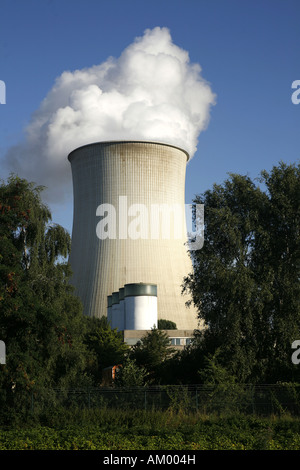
[{"x": 249, "y": 51}]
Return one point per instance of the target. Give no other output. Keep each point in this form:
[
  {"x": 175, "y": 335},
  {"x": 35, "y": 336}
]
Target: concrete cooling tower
[{"x": 125, "y": 232}]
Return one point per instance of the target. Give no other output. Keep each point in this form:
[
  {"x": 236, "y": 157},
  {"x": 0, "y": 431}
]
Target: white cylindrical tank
[
  {"x": 121, "y": 309},
  {"x": 140, "y": 306},
  {"x": 115, "y": 310},
  {"x": 133, "y": 182},
  {"x": 109, "y": 309}
]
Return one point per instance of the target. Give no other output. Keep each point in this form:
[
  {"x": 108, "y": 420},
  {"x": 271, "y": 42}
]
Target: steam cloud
[{"x": 151, "y": 92}]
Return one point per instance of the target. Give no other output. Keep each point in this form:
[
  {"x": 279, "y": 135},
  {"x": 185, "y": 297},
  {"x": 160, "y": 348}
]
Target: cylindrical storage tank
[
  {"x": 109, "y": 309},
  {"x": 118, "y": 185},
  {"x": 140, "y": 306},
  {"x": 121, "y": 309},
  {"x": 115, "y": 310}
]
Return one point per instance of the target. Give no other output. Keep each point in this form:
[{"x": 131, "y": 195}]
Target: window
[{"x": 180, "y": 341}]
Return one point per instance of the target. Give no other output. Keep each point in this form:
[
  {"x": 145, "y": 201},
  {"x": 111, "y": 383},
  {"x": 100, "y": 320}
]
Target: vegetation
[
  {"x": 166, "y": 324},
  {"x": 245, "y": 286},
  {"x": 49, "y": 343},
  {"x": 40, "y": 319},
  {"x": 246, "y": 277},
  {"x": 131, "y": 374},
  {"x": 106, "y": 346},
  {"x": 152, "y": 353},
  {"x": 138, "y": 430}
]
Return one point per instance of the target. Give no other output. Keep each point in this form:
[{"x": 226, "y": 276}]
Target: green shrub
[{"x": 141, "y": 430}]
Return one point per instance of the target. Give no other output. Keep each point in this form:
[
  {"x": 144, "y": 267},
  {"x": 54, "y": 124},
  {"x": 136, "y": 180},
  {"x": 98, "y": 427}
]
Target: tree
[
  {"x": 166, "y": 325},
  {"x": 131, "y": 375},
  {"x": 246, "y": 277},
  {"x": 106, "y": 345},
  {"x": 152, "y": 351},
  {"x": 40, "y": 318},
  {"x": 213, "y": 373},
  {"x": 278, "y": 260}
]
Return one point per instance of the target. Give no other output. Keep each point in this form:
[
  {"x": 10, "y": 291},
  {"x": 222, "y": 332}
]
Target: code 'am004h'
[{"x": 171, "y": 459}]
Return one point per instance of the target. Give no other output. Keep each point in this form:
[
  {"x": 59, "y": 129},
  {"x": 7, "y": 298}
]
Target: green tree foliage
[
  {"x": 152, "y": 351},
  {"x": 246, "y": 277},
  {"x": 184, "y": 365},
  {"x": 213, "y": 373},
  {"x": 40, "y": 318},
  {"x": 105, "y": 344},
  {"x": 166, "y": 325},
  {"x": 131, "y": 375}
]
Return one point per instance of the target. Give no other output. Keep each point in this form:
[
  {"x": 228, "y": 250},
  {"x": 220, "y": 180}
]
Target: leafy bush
[{"x": 140, "y": 430}]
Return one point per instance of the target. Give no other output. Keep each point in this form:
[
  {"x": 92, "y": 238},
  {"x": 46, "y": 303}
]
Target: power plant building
[{"x": 129, "y": 254}]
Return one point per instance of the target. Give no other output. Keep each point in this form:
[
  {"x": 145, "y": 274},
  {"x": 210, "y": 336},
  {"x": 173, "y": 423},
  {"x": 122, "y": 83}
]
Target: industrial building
[{"x": 129, "y": 254}]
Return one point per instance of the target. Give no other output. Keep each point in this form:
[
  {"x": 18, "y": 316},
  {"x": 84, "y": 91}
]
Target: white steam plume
[{"x": 151, "y": 92}]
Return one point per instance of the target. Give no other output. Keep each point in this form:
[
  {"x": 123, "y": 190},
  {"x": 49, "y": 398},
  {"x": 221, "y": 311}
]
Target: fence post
[
  {"x": 196, "y": 398},
  {"x": 145, "y": 400}
]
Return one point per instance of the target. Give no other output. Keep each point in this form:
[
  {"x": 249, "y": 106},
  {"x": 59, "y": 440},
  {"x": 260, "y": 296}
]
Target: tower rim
[{"x": 112, "y": 142}]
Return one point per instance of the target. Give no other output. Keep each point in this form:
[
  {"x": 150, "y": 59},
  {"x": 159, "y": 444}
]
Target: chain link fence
[{"x": 249, "y": 399}]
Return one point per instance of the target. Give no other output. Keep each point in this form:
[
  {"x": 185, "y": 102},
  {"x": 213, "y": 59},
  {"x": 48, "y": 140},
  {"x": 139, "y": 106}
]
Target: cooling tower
[{"x": 120, "y": 236}]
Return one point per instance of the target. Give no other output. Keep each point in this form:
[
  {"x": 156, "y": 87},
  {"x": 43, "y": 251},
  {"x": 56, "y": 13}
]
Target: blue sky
[{"x": 248, "y": 52}]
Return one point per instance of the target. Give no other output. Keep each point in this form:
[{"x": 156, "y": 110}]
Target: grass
[{"x": 157, "y": 430}]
